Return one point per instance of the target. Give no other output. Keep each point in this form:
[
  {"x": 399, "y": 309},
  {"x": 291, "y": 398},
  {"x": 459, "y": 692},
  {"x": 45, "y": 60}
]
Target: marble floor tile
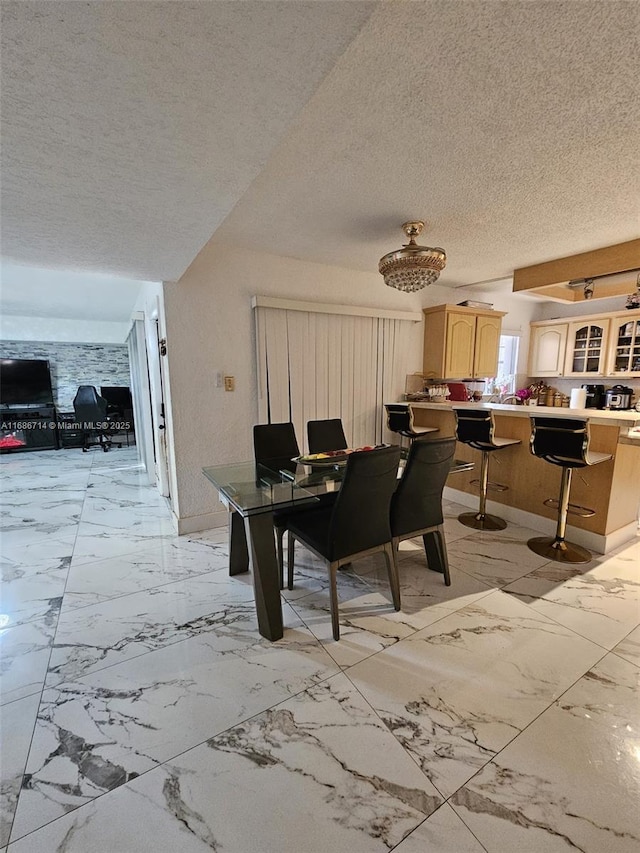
[
  {"x": 443, "y": 832},
  {"x": 336, "y": 780},
  {"x": 24, "y": 658},
  {"x": 102, "y": 730},
  {"x": 169, "y": 561},
  {"x": 570, "y": 780},
  {"x": 113, "y": 631},
  {"x": 599, "y": 600},
  {"x": 17, "y": 720},
  {"x": 629, "y": 648},
  {"x": 368, "y": 622},
  {"x": 454, "y": 529},
  {"x": 498, "y": 557},
  {"x": 458, "y": 691},
  {"x": 420, "y": 587},
  {"x": 33, "y": 579}
]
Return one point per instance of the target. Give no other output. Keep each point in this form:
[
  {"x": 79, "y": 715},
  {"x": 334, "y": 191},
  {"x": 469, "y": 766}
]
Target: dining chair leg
[
  {"x": 435, "y": 549},
  {"x": 333, "y": 598},
  {"x": 290, "y": 554},
  {"x": 280, "y": 549},
  {"x": 392, "y": 571}
]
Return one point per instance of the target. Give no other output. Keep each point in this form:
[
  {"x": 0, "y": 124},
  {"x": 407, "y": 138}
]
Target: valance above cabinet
[
  {"x": 599, "y": 345},
  {"x": 461, "y": 342}
]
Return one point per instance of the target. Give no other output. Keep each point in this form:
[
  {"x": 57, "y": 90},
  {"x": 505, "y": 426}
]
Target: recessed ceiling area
[
  {"x": 133, "y": 132},
  {"x": 33, "y": 292}
]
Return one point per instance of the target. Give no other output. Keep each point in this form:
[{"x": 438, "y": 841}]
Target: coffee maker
[{"x": 595, "y": 396}]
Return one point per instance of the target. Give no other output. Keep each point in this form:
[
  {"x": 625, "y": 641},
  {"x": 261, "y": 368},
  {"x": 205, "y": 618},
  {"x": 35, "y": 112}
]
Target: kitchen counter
[
  {"x": 625, "y": 418},
  {"x": 611, "y": 488}
]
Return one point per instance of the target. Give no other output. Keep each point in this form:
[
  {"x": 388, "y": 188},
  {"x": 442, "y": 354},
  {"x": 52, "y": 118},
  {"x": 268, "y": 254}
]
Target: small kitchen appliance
[
  {"x": 618, "y": 397},
  {"x": 595, "y": 396}
]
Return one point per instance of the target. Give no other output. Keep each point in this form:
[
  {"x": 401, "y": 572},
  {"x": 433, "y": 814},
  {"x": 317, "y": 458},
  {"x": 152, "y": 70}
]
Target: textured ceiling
[{"x": 134, "y": 131}]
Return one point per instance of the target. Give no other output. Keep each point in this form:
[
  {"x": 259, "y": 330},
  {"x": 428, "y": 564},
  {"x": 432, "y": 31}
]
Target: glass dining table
[{"x": 251, "y": 492}]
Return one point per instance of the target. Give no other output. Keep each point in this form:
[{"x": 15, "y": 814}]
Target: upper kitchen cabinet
[
  {"x": 599, "y": 345},
  {"x": 587, "y": 347},
  {"x": 461, "y": 342},
  {"x": 547, "y": 349},
  {"x": 624, "y": 349}
]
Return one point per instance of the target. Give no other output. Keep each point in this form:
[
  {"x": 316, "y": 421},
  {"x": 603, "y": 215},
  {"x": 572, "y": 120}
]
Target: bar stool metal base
[
  {"x": 559, "y": 550},
  {"x": 482, "y": 521}
]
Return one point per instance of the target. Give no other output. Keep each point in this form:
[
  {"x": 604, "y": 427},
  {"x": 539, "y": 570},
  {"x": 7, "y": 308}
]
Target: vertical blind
[{"x": 320, "y": 365}]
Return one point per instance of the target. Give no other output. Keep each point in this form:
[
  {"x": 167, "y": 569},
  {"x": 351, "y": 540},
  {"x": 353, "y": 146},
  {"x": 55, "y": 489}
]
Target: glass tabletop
[
  {"x": 252, "y": 489},
  {"x": 327, "y": 479}
]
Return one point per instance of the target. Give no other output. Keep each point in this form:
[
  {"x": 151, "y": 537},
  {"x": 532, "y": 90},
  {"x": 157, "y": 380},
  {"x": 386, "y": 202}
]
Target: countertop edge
[{"x": 627, "y": 417}]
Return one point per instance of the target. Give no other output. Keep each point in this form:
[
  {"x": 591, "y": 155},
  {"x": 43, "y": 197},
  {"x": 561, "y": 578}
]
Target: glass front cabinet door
[
  {"x": 624, "y": 358},
  {"x": 586, "y": 350}
]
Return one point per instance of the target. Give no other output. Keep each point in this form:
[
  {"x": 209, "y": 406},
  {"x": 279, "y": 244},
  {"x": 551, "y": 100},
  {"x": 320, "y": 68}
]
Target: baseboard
[
  {"x": 198, "y": 523},
  {"x": 595, "y": 542}
]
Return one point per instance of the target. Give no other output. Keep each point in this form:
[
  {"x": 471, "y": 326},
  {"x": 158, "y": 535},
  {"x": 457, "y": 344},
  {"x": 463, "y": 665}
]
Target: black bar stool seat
[
  {"x": 563, "y": 442},
  {"x": 475, "y": 427},
  {"x": 400, "y": 420}
]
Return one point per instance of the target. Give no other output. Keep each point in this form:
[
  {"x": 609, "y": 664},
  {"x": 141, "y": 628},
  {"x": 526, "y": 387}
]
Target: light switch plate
[{"x": 229, "y": 383}]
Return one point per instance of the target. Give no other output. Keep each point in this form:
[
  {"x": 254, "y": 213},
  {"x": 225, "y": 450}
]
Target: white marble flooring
[{"x": 142, "y": 711}]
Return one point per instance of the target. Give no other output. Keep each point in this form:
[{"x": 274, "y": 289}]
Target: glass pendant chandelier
[{"x": 412, "y": 267}]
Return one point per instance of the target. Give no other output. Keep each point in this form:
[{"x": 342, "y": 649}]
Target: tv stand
[{"x": 29, "y": 427}]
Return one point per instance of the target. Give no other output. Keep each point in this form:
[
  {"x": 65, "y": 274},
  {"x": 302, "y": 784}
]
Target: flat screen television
[{"x": 25, "y": 382}]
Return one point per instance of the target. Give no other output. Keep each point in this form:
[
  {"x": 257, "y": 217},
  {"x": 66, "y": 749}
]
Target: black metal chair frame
[
  {"x": 360, "y": 468},
  {"x": 563, "y": 442}
]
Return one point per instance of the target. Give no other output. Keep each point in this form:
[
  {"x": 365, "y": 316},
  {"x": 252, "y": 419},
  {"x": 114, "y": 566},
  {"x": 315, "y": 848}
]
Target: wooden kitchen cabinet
[
  {"x": 461, "y": 342},
  {"x": 547, "y": 349},
  {"x": 596, "y": 345},
  {"x": 587, "y": 347},
  {"x": 624, "y": 349}
]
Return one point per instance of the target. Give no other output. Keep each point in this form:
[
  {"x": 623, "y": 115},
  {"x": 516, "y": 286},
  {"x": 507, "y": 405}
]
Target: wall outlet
[
  {"x": 229, "y": 383},
  {"x": 219, "y": 379}
]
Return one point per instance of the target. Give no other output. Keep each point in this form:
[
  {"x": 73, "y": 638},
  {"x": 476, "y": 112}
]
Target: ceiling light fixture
[
  {"x": 588, "y": 288},
  {"x": 412, "y": 267}
]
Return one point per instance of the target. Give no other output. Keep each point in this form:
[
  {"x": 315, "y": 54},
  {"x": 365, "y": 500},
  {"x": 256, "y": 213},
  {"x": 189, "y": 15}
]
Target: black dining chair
[
  {"x": 276, "y": 445},
  {"x": 326, "y": 435},
  {"x": 357, "y": 525},
  {"x": 416, "y": 506}
]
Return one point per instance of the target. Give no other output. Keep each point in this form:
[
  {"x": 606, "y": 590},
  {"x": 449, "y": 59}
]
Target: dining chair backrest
[
  {"x": 360, "y": 517},
  {"x": 326, "y": 435},
  {"x": 417, "y": 502},
  {"x": 561, "y": 441},
  {"x": 275, "y": 444},
  {"x": 398, "y": 417}
]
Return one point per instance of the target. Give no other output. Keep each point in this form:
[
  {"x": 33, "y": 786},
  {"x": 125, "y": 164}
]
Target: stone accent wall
[{"x": 74, "y": 364}]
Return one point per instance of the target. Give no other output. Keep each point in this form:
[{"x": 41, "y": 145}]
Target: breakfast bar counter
[{"x": 612, "y": 488}]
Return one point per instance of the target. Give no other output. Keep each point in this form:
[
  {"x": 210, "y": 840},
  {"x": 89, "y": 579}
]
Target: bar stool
[
  {"x": 475, "y": 427},
  {"x": 563, "y": 442},
  {"x": 400, "y": 420}
]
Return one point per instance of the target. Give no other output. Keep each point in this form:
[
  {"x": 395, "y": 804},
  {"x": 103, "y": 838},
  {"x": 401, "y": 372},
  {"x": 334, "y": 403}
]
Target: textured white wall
[{"x": 16, "y": 328}]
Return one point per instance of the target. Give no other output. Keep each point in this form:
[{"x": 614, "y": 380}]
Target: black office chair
[
  {"x": 400, "y": 420},
  {"x": 563, "y": 442},
  {"x": 326, "y": 435},
  {"x": 356, "y": 526},
  {"x": 91, "y": 413},
  {"x": 475, "y": 427},
  {"x": 416, "y": 506}
]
